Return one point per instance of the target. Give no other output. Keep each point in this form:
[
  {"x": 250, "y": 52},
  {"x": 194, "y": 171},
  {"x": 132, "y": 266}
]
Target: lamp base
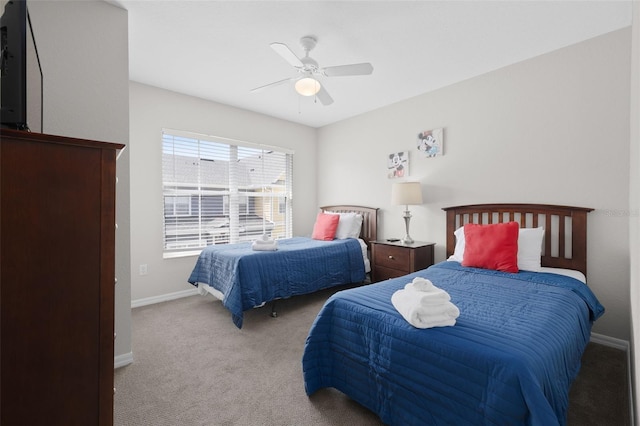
[
  {"x": 407, "y": 240},
  {"x": 407, "y": 218}
]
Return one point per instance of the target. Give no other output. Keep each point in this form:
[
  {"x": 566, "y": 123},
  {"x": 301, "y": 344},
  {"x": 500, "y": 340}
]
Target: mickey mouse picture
[{"x": 398, "y": 165}]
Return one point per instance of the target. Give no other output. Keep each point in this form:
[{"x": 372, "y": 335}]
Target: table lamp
[{"x": 406, "y": 193}]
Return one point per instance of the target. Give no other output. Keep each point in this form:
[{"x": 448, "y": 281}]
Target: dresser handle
[{"x": 390, "y": 257}]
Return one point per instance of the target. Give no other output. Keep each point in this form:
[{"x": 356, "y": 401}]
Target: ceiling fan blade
[
  {"x": 284, "y": 51},
  {"x": 345, "y": 70},
  {"x": 275, "y": 83},
  {"x": 324, "y": 96}
]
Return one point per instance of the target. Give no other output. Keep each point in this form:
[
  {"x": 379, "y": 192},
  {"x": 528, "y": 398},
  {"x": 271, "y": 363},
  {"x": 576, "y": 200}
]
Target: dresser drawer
[{"x": 392, "y": 257}]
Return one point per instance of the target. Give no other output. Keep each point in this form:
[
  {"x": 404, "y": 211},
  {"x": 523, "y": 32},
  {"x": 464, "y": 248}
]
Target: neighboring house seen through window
[{"x": 219, "y": 191}]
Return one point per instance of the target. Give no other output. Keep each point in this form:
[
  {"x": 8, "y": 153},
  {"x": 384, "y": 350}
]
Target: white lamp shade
[
  {"x": 307, "y": 86},
  {"x": 406, "y": 193}
]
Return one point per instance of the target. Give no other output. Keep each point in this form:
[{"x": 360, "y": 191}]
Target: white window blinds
[{"x": 218, "y": 191}]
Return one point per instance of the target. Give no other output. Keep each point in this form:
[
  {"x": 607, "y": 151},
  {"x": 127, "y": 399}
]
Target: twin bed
[
  {"x": 510, "y": 358},
  {"x": 244, "y": 279}
]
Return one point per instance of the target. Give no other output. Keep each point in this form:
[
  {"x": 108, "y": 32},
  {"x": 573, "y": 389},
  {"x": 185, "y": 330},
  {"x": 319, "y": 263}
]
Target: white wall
[
  {"x": 634, "y": 204},
  {"x": 83, "y": 49},
  {"x": 553, "y": 129},
  {"x": 153, "y": 109}
]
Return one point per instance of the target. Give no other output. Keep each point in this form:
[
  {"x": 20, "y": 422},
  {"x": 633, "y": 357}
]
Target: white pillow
[
  {"x": 357, "y": 226},
  {"x": 458, "y": 252},
  {"x": 349, "y": 225},
  {"x": 529, "y": 248}
]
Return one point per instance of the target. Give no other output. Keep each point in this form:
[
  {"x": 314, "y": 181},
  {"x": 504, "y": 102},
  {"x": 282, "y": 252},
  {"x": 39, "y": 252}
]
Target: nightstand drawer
[
  {"x": 392, "y": 257},
  {"x": 383, "y": 273}
]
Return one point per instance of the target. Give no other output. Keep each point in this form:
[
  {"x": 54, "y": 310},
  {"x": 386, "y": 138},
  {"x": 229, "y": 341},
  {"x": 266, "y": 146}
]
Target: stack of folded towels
[
  {"x": 265, "y": 243},
  {"x": 424, "y": 305}
]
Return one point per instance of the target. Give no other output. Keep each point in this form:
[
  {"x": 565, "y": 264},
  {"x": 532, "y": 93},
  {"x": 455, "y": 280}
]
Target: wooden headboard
[
  {"x": 369, "y": 230},
  {"x": 565, "y": 228}
]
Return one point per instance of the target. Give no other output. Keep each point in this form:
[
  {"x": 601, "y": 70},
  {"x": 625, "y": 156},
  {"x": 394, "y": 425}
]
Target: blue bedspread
[
  {"x": 249, "y": 278},
  {"x": 509, "y": 360}
]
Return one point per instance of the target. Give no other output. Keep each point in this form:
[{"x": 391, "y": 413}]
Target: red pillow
[
  {"x": 325, "y": 226},
  {"x": 491, "y": 246}
]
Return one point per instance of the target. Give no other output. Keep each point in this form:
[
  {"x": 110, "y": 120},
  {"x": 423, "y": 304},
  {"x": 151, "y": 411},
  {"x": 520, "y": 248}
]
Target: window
[
  {"x": 218, "y": 191},
  {"x": 177, "y": 206}
]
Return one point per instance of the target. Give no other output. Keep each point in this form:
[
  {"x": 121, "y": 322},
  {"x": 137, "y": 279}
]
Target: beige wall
[
  {"x": 83, "y": 49},
  {"x": 153, "y": 109},
  {"x": 553, "y": 129}
]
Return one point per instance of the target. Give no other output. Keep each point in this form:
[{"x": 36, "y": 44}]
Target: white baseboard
[
  {"x": 122, "y": 360},
  {"x": 622, "y": 345},
  {"x": 163, "y": 298},
  {"x": 610, "y": 341}
]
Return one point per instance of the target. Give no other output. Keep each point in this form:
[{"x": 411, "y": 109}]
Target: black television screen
[{"x": 20, "y": 71}]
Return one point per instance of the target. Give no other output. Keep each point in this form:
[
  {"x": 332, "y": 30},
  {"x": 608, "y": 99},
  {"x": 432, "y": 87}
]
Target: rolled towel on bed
[
  {"x": 411, "y": 299},
  {"x": 421, "y": 316},
  {"x": 435, "y": 296},
  {"x": 426, "y": 322},
  {"x": 423, "y": 284},
  {"x": 262, "y": 245},
  {"x": 264, "y": 239}
]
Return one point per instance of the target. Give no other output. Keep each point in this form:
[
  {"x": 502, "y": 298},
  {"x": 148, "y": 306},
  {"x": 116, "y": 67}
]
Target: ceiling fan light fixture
[{"x": 307, "y": 86}]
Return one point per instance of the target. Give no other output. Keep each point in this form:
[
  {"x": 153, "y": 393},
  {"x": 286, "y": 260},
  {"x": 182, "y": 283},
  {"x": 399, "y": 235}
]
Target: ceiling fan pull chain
[{"x": 315, "y": 95}]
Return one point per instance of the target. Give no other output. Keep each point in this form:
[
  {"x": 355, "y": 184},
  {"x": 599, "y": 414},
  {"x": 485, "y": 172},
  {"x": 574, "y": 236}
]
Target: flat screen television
[{"x": 21, "y": 78}]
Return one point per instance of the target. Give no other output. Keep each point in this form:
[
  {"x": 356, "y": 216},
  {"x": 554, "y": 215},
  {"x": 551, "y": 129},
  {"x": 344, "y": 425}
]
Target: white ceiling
[{"x": 219, "y": 50}]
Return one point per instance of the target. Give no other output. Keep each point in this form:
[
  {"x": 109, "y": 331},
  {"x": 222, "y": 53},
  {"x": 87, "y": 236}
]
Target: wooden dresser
[
  {"x": 57, "y": 266},
  {"x": 394, "y": 259}
]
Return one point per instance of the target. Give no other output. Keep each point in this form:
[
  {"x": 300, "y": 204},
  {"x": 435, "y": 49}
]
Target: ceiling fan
[{"x": 307, "y": 83}]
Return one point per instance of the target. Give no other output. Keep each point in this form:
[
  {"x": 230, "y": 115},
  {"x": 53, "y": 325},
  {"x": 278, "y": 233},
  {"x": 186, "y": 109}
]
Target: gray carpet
[{"x": 192, "y": 366}]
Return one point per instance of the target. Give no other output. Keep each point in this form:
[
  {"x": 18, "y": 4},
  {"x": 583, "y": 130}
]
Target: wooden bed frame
[
  {"x": 369, "y": 230},
  {"x": 565, "y": 228}
]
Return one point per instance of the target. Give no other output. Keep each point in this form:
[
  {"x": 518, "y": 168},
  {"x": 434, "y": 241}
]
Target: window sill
[{"x": 177, "y": 254}]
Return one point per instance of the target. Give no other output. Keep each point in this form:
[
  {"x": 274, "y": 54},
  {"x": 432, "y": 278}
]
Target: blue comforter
[
  {"x": 249, "y": 278},
  {"x": 509, "y": 360}
]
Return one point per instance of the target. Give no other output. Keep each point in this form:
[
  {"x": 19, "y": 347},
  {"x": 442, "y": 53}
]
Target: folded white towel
[
  {"x": 423, "y": 284},
  {"x": 431, "y": 323},
  {"x": 264, "y": 246},
  {"x": 410, "y": 297},
  {"x": 262, "y": 242},
  {"x": 445, "y": 311},
  {"x": 421, "y": 316},
  {"x": 435, "y": 296},
  {"x": 264, "y": 239}
]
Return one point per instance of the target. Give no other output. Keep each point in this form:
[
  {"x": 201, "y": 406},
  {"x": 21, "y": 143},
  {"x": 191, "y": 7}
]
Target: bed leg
[{"x": 274, "y": 314}]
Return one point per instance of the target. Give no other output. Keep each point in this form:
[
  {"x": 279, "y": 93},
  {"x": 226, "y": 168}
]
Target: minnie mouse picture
[{"x": 430, "y": 142}]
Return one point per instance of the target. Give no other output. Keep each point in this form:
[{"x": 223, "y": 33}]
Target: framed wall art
[
  {"x": 431, "y": 142},
  {"x": 398, "y": 165}
]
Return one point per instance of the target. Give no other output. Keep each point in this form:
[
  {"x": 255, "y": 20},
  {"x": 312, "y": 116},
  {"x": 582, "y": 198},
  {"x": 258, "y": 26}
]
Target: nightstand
[{"x": 394, "y": 259}]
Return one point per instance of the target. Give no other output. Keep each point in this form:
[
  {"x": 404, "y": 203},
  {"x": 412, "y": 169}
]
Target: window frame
[{"x": 180, "y": 242}]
